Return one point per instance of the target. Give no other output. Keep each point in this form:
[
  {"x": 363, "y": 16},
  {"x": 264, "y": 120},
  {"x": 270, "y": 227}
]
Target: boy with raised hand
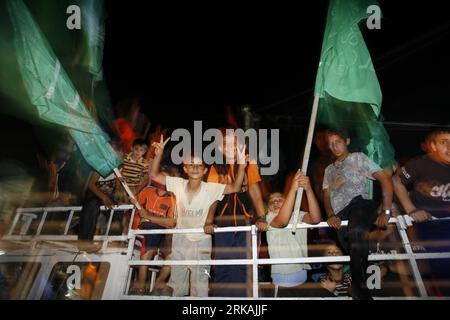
[{"x": 193, "y": 200}]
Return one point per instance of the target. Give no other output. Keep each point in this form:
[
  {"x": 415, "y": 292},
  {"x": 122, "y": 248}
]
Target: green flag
[
  {"x": 92, "y": 20},
  {"x": 52, "y": 93},
  {"x": 347, "y": 83}
]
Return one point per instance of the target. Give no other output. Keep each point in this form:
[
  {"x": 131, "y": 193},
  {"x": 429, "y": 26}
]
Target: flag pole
[
  {"x": 127, "y": 189},
  {"x": 306, "y": 155}
]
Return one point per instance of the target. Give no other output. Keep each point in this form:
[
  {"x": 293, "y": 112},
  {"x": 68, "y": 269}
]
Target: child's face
[
  {"x": 276, "y": 200},
  {"x": 440, "y": 148},
  {"x": 229, "y": 148},
  {"x": 333, "y": 250},
  {"x": 195, "y": 169},
  {"x": 338, "y": 145},
  {"x": 139, "y": 151}
]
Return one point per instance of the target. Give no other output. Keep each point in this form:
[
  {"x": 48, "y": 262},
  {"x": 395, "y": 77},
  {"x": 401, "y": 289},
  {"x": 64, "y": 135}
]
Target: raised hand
[
  {"x": 159, "y": 146},
  {"x": 242, "y": 158}
]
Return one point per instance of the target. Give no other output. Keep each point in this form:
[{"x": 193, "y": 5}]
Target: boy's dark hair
[
  {"x": 140, "y": 142},
  {"x": 431, "y": 135},
  {"x": 342, "y": 133}
]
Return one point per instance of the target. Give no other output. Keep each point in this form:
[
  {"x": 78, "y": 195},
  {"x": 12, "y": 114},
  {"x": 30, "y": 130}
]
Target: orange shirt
[
  {"x": 161, "y": 206},
  {"x": 251, "y": 176}
]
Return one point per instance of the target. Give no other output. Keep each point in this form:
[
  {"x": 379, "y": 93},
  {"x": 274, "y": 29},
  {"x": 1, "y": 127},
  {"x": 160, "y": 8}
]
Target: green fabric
[
  {"x": 92, "y": 22},
  {"x": 347, "y": 83},
  {"x": 53, "y": 94}
]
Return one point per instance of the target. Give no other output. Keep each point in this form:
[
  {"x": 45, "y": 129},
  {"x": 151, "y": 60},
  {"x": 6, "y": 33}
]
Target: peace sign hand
[{"x": 159, "y": 146}]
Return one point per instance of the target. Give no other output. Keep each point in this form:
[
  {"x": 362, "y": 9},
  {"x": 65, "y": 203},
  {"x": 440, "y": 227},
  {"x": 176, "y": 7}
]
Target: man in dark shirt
[{"x": 428, "y": 180}]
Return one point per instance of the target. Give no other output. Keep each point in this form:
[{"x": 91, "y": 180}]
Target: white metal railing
[
  {"x": 29, "y": 214},
  {"x": 401, "y": 223},
  {"x": 41, "y": 213}
]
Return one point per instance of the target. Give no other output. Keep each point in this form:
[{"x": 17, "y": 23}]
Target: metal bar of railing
[
  {"x": 69, "y": 221},
  {"x": 412, "y": 260},
  {"x": 16, "y": 219},
  {"x": 41, "y": 224},
  {"x": 255, "y": 260},
  {"x": 331, "y": 259}
]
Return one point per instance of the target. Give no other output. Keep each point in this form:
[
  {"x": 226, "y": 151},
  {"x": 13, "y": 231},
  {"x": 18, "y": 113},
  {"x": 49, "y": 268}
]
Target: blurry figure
[
  {"x": 336, "y": 281},
  {"x": 101, "y": 191},
  {"x": 236, "y": 209},
  {"x": 15, "y": 191},
  {"x": 428, "y": 180},
  {"x": 318, "y": 164},
  {"x": 131, "y": 124},
  {"x": 66, "y": 175},
  {"x": 282, "y": 243}
]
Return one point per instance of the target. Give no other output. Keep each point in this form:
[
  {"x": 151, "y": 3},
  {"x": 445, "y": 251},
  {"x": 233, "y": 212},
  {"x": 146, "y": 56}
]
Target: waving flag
[
  {"x": 348, "y": 87},
  {"x": 53, "y": 94}
]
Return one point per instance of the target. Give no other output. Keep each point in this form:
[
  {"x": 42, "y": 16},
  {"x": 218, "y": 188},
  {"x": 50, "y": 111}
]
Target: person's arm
[
  {"x": 95, "y": 190},
  {"x": 284, "y": 215},
  {"x": 388, "y": 191},
  {"x": 209, "y": 223},
  {"x": 333, "y": 220},
  {"x": 242, "y": 161},
  {"x": 402, "y": 194},
  {"x": 155, "y": 174},
  {"x": 237, "y": 184},
  {"x": 164, "y": 222},
  {"x": 254, "y": 192}
]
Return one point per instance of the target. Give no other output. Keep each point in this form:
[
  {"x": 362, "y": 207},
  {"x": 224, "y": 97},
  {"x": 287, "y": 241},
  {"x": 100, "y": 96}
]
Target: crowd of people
[{"x": 231, "y": 194}]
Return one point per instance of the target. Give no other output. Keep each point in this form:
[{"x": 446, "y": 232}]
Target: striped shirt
[
  {"x": 134, "y": 171},
  {"x": 342, "y": 288}
]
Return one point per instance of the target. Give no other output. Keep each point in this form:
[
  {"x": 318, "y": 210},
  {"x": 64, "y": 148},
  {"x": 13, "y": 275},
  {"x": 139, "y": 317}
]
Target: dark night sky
[
  {"x": 187, "y": 62},
  {"x": 199, "y": 58}
]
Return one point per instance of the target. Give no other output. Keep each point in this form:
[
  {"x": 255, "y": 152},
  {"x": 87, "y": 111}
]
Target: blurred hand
[
  {"x": 328, "y": 284},
  {"x": 421, "y": 216},
  {"x": 261, "y": 225},
  {"x": 107, "y": 202},
  {"x": 382, "y": 221},
  {"x": 334, "y": 222},
  {"x": 209, "y": 228}
]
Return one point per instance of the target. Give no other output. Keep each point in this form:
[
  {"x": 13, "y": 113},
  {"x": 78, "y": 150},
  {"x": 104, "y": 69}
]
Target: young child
[
  {"x": 134, "y": 170},
  {"x": 193, "y": 200},
  {"x": 158, "y": 213},
  {"x": 282, "y": 243},
  {"x": 336, "y": 281}
]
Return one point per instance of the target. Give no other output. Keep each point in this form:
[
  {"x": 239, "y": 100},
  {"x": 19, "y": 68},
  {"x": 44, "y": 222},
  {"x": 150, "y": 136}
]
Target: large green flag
[
  {"x": 53, "y": 94},
  {"x": 347, "y": 83}
]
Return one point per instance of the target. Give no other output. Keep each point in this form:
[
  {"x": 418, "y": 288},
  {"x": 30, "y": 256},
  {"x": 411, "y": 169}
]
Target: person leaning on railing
[
  {"x": 427, "y": 178},
  {"x": 282, "y": 243}
]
